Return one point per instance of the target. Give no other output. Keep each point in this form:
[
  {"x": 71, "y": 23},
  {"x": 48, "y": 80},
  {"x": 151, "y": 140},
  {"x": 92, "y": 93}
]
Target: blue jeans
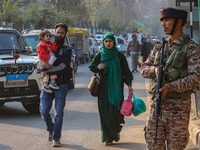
[{"x": 45, "y": 107}]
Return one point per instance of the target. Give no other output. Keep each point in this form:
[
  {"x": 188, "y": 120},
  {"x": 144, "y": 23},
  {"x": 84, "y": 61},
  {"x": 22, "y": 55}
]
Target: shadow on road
[
  {"x": 10, "y": 111},
  {"x": 3, "y": 147},
  {"x": 129, "y": 145},
  {"x": 80, "y": 94},
  {"x": 74, "y": 120},
  {"x": 76, "y": 147}
]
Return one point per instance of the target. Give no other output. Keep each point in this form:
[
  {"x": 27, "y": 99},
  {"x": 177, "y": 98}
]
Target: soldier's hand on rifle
[{"x": 164, "y": 90}]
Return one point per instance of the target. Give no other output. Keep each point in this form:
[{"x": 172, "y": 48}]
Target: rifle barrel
[{"x": 159, "y": 85}]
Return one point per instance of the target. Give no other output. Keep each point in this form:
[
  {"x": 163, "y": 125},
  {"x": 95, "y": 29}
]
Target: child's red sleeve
[
  {"x": 54, "y": 47},
  {"x": 43, "y": 54}
]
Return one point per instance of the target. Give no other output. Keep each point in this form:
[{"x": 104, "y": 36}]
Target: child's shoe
[
  {"x": 54, "y": 86},
  {"x": 46, "y": 89}
]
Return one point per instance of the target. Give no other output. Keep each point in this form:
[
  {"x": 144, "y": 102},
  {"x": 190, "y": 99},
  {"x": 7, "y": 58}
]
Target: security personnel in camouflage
[{"x": 182, "y": 75}]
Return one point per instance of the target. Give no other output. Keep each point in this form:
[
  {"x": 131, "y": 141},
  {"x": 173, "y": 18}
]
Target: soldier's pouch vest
[{"x": 175, "y": 68}]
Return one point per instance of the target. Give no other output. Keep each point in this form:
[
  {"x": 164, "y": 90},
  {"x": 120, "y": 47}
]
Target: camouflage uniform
[{"x": 174, "y": 119}]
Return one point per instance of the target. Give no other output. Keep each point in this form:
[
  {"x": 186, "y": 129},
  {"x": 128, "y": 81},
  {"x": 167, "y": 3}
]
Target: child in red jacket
[{"x": 45, "y": 51}]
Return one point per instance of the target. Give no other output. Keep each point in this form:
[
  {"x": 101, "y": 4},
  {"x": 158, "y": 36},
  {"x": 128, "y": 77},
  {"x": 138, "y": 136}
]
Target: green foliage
[
  {"x": 10, "y": 11},
  {"x": 32, "y": 14},
  {"x": 104, "y": 23},
  {"x": 40, "y": 17},
  {"x": 1, "y": 5},
  {"x": 155, "y": 24},
  {"x": 25, "y": 3},
  {"x": 106, "y": 14},
  {"x": 48, "y": 18},
  {"x": 133, "y": 25},
  {"x": 76, "y": 9},
  {"x": 136, "y": 25},
  {"x": 67, "y": 18}
]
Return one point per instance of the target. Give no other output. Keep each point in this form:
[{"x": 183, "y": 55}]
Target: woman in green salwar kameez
[{"x": 114, "y": 72}]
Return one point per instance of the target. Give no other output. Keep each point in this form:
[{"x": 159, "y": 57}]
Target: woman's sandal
[{"x": 108, "y": 143}]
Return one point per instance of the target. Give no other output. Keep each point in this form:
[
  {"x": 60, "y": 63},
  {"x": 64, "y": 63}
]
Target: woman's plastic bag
[
  {"x": 138, "y": 106},
  {"x": 127, "y": 106}
]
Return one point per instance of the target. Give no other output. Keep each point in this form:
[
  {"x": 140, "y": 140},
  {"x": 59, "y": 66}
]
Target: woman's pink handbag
[{"x": 127, "y": 106}]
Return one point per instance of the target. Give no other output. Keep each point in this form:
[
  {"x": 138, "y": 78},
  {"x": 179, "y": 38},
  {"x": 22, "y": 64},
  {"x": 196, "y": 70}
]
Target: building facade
[{"x": 192, "y": 28}]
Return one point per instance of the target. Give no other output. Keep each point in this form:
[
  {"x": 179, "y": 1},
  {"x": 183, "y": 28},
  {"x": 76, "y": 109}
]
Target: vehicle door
[{"x": 121, "y": 44}]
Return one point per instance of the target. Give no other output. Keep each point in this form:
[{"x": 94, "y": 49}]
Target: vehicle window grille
[{"x": 16, "y": 69}]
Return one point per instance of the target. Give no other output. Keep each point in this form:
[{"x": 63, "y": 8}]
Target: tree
[
  {"x": 25, "y": 3},
  {"x": 1, "y": 5},
  {"x": 67, "y": 18},
  {"x": 135, "y": 25},
  {"x": 40, "y": 17},
  {"x": 76, "y": 7},
  {"x": 106, "y": 14},
  {"x": 10, "y": 13},
  {"x": 155, "y": 25},
  {"x": 104, "y": 23},
  {"x": 32, "y": 14},
  {"x": 47, "y": 17}
]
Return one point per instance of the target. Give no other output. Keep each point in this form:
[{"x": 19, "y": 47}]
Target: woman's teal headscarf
[{"x": 111, "y": 60}]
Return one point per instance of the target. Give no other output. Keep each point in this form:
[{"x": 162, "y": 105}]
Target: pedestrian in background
[
  {"x": 61, "y": 65},
  {"x": 100, "y": 46},
  {"x": 114, "y": 72},
  {"x": 133, "y": 51},
  {"x": 144, "y": 49},
  {"x": 182, "y": 75}
]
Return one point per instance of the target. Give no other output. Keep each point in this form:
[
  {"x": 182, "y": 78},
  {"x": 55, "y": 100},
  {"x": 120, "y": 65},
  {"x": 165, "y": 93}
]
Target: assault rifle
[{"x": 159, "y": 85}]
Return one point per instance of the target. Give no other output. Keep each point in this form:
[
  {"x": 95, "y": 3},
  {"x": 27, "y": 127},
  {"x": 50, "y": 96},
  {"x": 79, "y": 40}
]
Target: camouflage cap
[{"x": 173, "y": 12}]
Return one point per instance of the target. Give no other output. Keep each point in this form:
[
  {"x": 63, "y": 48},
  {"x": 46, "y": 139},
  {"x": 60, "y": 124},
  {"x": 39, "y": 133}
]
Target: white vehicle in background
[
  {"x": 93, "y": 47},
  {"x": 121, "y": 43},
  {"x": 99, "y": 37}
]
